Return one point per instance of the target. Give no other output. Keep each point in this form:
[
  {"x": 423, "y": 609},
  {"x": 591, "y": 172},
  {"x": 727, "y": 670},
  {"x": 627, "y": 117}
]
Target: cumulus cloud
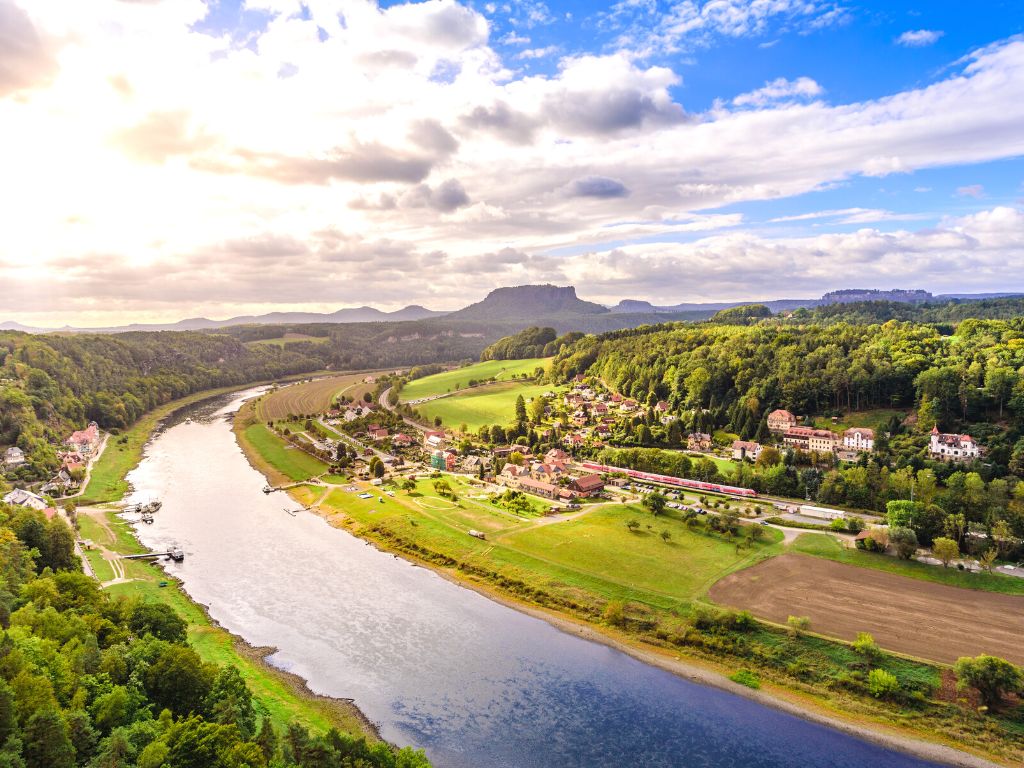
[
  {"x": 442, "y": 171},
  {"x": 25, "y": 61},
  {"x": 779, "y": 89},
  {"x": 919, "y": 38}
]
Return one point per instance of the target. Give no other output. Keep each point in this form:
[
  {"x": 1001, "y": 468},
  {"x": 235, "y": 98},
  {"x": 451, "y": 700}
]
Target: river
[{"x": 474, "y": 683}]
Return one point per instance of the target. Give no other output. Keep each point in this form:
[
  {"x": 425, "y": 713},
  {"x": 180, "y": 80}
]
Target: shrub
[
  {"x": 882, "y": 684},
  {"x": 747, "y": 678},
  {"x": 991, "y": 676},
  {"x": 798, "y": 624},
  {"x": 615, "y": 613},
  {"x": 866, "y": 646}
]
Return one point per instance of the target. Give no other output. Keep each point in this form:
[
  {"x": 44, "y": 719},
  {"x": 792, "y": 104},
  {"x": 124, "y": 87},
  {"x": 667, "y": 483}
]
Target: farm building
[{"x": 587, "y": 485}]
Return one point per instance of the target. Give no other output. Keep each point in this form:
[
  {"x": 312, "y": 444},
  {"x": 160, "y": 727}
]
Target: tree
[
  {"x": 769, "y": 457},
  {"x": 655, "y": 502},
  {"x": 905, "y": 541},
  {"x": 378, "y": 469},
  {"x": 520, "y": 409},
  {"x": 666, "y": 536},
  {"x": 991, "y": 676},
  {"x": 955, "y": 526},
  {"x": 901, "y": 513},
  {"x": 159, "y": 620},
  {"x": 946, "y": 550},
  {"x": 987, "y": 559},
  {"x": 866, "y": 646},
  {"x": 537, "y": 406},
  {"x": 437, "y": 421},
  {"x": 882, "y": 684},
  {"x": 798, "y": 624},
  {"x": 633, "y": 526},
  {"x": 1003, "y": 537},
  {"x": 408, "y": 485},
  {"x": 178, "y": 680},
  {"x": 46, "y": 741},
  {"x": 230, "y": 702}
]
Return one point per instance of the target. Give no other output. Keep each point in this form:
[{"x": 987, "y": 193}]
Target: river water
[{"x": 474, "y": 683}]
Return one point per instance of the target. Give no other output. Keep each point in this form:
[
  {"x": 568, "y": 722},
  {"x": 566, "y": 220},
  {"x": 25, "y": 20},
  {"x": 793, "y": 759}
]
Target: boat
[
  {"x": 176, "y": 555},
  {"x": 147, "y": 517},
  {"x": 133, "y": 509},
  {"x": 267, "y": 489}
]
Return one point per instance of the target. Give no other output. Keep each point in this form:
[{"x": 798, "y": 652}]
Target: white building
[
  {"x": 14, "y": 457},
  {"x": 807, "y": 510},
  {"x": 948, "y": 447},
  {"x": 745, "y": 449},
  {"x": 22, "y": 498},
  {"x": 859, "y": 439}
]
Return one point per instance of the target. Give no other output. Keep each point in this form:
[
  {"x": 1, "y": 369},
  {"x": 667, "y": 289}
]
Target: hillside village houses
[
  {"x": 85, "y": 441},
  {"x": 14, "y": 457},
  {"x": 745, "y": 449},
  {"x": 860, "y": 439},
  {"x": 950, "y": 447},
  {"x": 699, "y": 441},
  {"x": 780, "y": 421}
]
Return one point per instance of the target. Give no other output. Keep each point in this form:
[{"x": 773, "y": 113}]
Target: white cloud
[
  {"x": 977, "y": 191},
  {"x": 919, "y": 38},
  {"x": 406, "y": 136},
  {"x": 850, "y": 216},
  {"x": 779, "y": 89}
]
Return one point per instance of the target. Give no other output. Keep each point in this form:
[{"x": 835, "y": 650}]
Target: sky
[{"x": 162, "y": 159}]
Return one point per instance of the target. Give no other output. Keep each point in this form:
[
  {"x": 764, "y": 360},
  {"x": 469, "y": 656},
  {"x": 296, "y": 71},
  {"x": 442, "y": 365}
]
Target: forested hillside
[
  {"x": 912, "y": 376},
  {"x": 87, "y": 680}
]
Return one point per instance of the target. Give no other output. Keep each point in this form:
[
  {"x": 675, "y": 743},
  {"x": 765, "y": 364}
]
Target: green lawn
[
  {"x": 294, "y": 463},
  {"x": 600, "y": 544},
  {"x": 449, "y": 381},
  {"x": 493, "y": 404},
  {"x": 823, "y": 545},
  {"x": 875, "y": 419}
]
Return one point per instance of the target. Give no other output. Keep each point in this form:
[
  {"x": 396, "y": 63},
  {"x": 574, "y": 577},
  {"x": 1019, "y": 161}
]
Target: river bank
[
  {"x": 284, "y": 695},
  {"x": 804, "y": 704}
]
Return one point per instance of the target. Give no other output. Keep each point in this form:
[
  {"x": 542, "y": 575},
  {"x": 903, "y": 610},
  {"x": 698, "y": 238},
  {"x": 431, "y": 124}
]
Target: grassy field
[
  {"x": 492, "y": 404},
  {"x": 449, "y": 381},
  {"x": 288, "y": 462},
  {"x": 875, "y": 419},
  {"x": 310, "y": 397},
  {"x": 823, "y": 545}
]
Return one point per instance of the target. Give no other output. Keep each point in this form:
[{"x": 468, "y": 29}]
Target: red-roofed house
[
  {"x": 587, "y": 485},
  {"x": 950, "y": 447},
  {"x": 779, "y": 421}
]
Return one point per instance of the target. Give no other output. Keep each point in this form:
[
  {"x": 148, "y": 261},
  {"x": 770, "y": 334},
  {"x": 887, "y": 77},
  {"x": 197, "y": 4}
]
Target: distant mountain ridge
[
  {"x": 347, "y": 315},
  {"x": 556, "y": 306}
]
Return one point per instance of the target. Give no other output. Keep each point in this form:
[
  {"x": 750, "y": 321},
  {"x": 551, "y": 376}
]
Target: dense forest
[
  {"x": 531, "y": 342},
  {"x": 90, "y": 680}
]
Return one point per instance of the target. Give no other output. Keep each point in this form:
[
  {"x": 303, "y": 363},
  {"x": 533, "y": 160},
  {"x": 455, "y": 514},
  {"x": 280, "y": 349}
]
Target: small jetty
[
  {"x": 144, "y": 509},
  {"x": 177, "y": 555}
]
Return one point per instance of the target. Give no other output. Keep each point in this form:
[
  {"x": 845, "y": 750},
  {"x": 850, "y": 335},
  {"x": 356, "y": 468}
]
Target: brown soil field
[
  {"x": 311, "y": 396},
  {"x": 919, "y": 618}
]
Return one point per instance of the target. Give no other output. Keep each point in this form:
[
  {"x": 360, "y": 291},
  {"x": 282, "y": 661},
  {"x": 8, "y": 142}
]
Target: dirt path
[{"x": 920, "y": 618}]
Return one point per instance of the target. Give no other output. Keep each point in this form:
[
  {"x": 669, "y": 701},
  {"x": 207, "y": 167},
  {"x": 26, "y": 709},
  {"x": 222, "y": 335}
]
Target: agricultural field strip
[
  {"x": 919, "y": 618},
  {"x": 453, "y": 381},
  {"x": 309, "y": 397}
]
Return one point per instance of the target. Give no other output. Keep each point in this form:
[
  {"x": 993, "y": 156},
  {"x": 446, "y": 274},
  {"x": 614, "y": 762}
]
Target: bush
[
  {"x": 882, "y": 684},
  {"x": 615, "y": 613},
  {"x": 798, "y": 624},
  {"x": 866, "y": 646},
  {"x": 747, "y": 678}
]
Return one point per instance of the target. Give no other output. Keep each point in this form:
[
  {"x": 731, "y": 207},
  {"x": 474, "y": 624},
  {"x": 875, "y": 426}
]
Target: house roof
[
  {"x": 781, "y": 413},
  {"x": 589, "y": 482}
]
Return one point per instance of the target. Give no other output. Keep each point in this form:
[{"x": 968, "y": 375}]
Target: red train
[{"x": 695, "y": 485}]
